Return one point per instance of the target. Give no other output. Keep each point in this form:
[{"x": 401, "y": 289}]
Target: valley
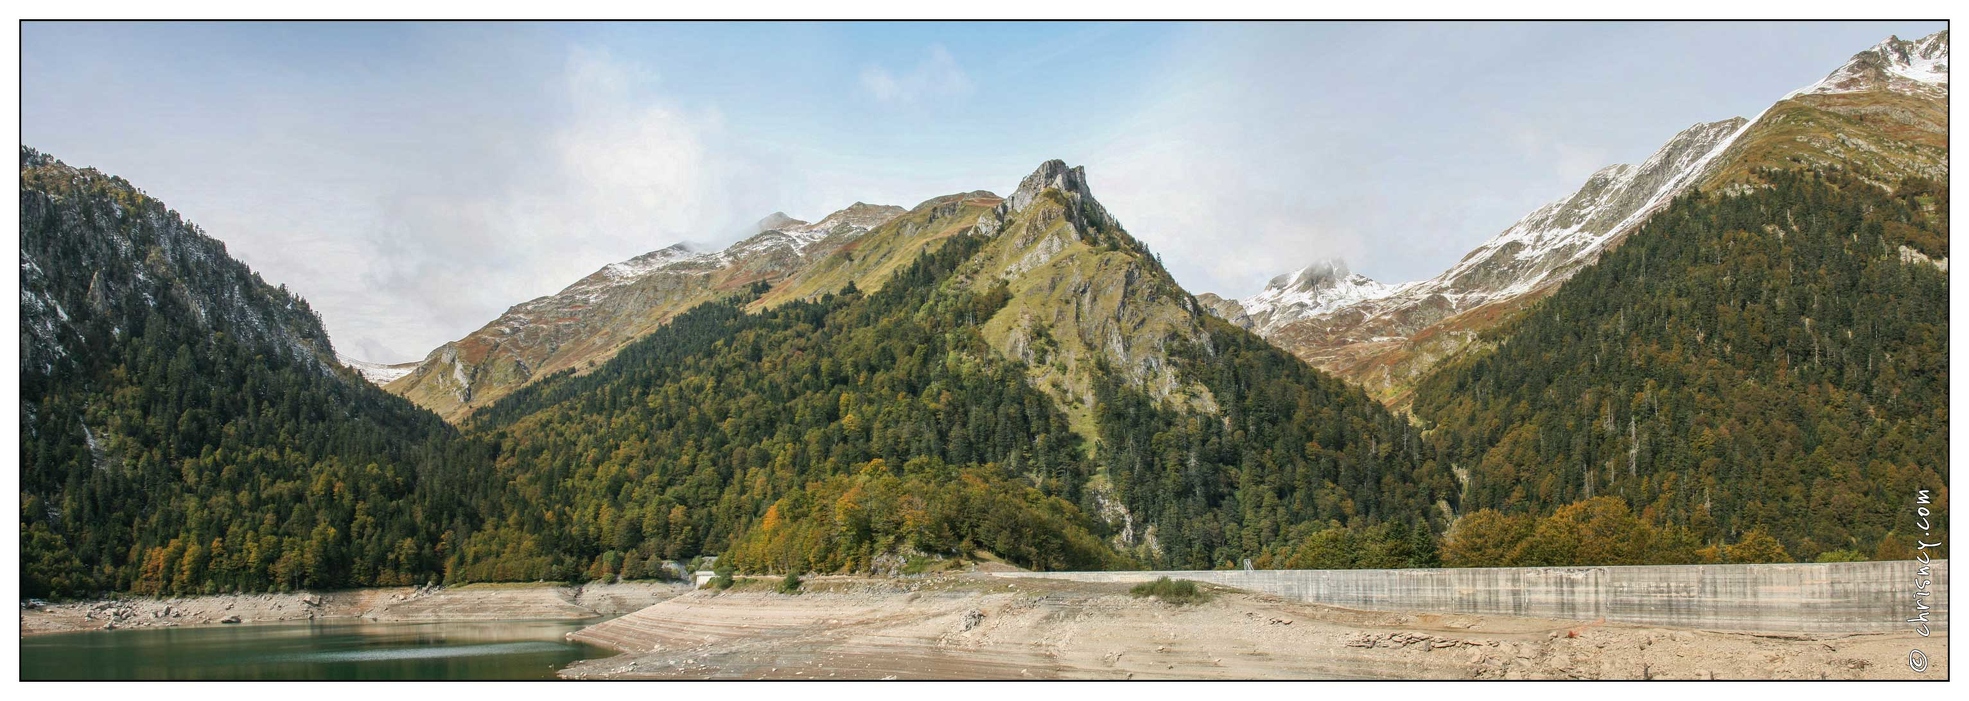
[{"x": 1732, "y": 354}]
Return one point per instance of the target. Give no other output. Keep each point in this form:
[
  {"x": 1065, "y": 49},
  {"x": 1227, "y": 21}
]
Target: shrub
[
  {"x": 1173, "y": 591},
  {"x": 1840, "y": 556},
  {"x": 1757, "y": 547},
  {"x": 791, "y": 584}
]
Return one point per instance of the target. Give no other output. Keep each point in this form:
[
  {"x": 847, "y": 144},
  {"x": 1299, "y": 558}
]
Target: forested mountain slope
[
  {"x": 1211, "y": 444},
  {"x": 1023, "y": 380},
  {"x": 797, "y": 429},
  {"x": 588, "y": 321},
  {"x": 184, "y": 426},
  {"x": 1882, "y": 116},
  {"x": 938, "y": 415},
  {"x": 1770, "y": 360}
]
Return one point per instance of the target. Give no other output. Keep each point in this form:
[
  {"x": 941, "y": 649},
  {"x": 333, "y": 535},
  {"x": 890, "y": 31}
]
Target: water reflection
[{"x": 312, "y": 650}]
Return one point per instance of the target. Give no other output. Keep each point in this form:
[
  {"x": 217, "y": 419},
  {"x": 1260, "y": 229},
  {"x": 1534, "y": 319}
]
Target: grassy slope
[
  {"x": 1078, "y": 300},
  {"x": 1883, "y": 136},
  {"x": 871, "y": 259}
]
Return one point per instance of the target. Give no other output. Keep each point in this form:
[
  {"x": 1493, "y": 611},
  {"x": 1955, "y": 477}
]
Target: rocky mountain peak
[
  {"x": 1325, "y": 273},
  {"x": 1917, "y": 67},
  {"x": 1385, "y": 342},
  {"x": 1341, "y": 321},
  {"x": 588, "y": 321},
  {"x": 861, "y": 215},
  {"x": 778, "y": 221},
  {"x": 1319, "y": 288},
  {"x": 1053, "y": 174},
  {"x": 1071, "y": 182}
]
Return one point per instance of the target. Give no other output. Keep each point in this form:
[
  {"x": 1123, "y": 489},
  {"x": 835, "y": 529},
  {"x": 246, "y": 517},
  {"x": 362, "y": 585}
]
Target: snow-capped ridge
[
  {"x": 1557, "y": 237},
  {"x": 595, "y": 316},
  {"x": 1320, "y": 288},
  {"x": 855, "y": 218},
  {"x": 1323, "y": 310},
  {"x": 1917, "y": 67},
  {"x": 775, "y": 229},
  {"x": 653, "y": 261}
]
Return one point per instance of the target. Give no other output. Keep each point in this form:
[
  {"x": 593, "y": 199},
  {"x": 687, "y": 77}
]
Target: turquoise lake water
[{"x": 311, "y": 650}]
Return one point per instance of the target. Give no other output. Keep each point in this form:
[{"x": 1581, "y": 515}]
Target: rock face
[
  {"x": 1227, "y": 309},
  {"x": 1084, "y": 293},
  {"x": 590, "y": 320},
  {"x": 1884, "y": 112},
  {"x": 100, "y": 256}
]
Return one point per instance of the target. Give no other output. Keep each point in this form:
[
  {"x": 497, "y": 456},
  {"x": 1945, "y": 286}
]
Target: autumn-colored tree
[
  {"x": 1486, "y": 539},
  {"x": 1756, "y": 547}
]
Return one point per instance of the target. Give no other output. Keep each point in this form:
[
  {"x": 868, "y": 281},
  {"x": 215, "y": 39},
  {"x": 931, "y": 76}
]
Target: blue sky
[{"x": 412, "y": 181}]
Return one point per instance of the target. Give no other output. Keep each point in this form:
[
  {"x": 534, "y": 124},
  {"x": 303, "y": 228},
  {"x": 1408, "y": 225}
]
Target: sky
[{"x": 412, "y": 181}]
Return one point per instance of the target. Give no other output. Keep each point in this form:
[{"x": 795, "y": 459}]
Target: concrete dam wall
[{"x": 1842, "y": 597}]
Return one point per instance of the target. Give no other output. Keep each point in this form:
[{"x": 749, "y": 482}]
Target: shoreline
[
  {"x": 975, "y": 626},
  {"x": 468, "y": 602}
]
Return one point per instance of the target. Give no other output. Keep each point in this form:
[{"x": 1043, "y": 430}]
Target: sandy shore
[
  {"x": 965, "y": 626},
  {"x": 462, "y": 603}
]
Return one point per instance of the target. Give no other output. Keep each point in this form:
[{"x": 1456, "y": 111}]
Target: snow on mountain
[
  {"x": 775, "y": 230},
  {"x": 653, "y": 261},
  {"x": 1553, "y": 241},
  {"x": 588, "y": 321},
  {"x": 1919, "y": 67},
  {"x": 377, "y": 373},
  {"x": 858, "y": 216},
  {"x": 1541, "y": 249},
  {"x": 1382, "y": 336},
  {"x": 1315, "y": 289}
]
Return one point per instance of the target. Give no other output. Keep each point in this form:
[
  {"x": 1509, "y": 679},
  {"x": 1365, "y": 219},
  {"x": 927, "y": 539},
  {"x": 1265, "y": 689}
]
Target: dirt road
[{"x": 964, "y": 626}]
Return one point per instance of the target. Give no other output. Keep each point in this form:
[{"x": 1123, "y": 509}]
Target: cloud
[
  {"x": 1568, "y": 162},
  {"x": 1221, "y": 224},
  {"x": 936, "y": 76},
  {"x": 620, "y": 173}
]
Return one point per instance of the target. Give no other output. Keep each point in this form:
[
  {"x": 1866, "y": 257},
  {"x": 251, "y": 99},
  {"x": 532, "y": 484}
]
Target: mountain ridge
[
  {"x": 589, "y": 320},
  {"x": 186, "y": 427},
  {"x": 1110, "y": 390},
  {"x": 1884, "y": 111}
]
